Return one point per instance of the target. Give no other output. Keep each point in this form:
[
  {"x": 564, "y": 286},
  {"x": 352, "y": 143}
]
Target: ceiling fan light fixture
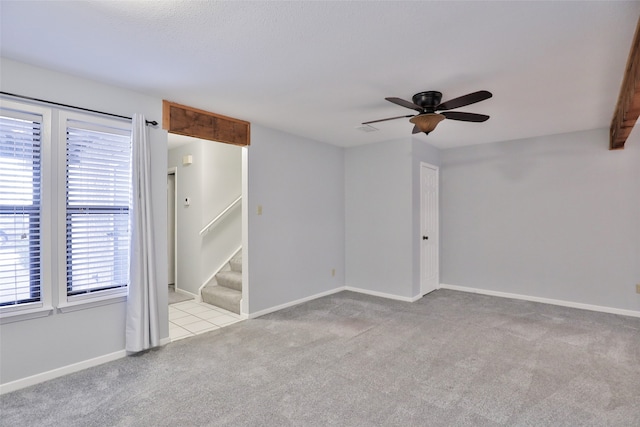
[{"x": 427, "y": 122}]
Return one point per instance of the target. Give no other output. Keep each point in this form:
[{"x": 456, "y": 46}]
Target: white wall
[
  {"x": 221, "y": 185},
  {"x": 382, "y": 190},
  {"x": 378, "y": 217},
  {"x": 554, "y": 217},
  {"x": 188, "y": 219},
  {"x": 35, "y": 346},
  {"x": 211, "y": 182},
  {"x": 299, "y": 238}
]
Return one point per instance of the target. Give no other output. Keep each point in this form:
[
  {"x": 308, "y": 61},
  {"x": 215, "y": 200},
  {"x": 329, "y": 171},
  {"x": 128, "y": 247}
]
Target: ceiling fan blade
[
  {"x": 416, "y": 129},
  {"x": 390, "y": 118},
  {"x": 465, "y": 117},
  {"x": 403, "y": 103},
  {"x": 461, "y": 101}
]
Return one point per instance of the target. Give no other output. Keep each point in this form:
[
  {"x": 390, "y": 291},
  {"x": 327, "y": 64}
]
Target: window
[
  {"x": 98, "y": 196},
  {"x": 20, "y": 207},
  {"x": 65, "y": 196}
]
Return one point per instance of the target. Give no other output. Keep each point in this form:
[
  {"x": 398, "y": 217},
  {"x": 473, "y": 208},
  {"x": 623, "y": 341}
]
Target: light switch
[{"x": 259, "y": 209}]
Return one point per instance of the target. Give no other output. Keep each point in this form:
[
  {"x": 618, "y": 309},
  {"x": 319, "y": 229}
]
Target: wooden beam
[
  {"x": 628, "y": 107},
  {"x": 202, "y": 124}
]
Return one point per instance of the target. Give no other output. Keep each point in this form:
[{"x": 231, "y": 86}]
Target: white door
[{"x": 429, "y": 227}]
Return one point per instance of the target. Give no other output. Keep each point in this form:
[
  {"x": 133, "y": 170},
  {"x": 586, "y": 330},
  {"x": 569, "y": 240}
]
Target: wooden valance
[
  {"x": 202, "y": 124},
  {"x": 628, "y": 107}
]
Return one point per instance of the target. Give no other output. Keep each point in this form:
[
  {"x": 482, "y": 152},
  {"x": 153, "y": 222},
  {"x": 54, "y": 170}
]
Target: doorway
[
  {"x": 171, "y": 225},
  {"x": 175, "y": 294},
  {"x": 209, "y": 219},
  {"x": 429, "y": 228}
]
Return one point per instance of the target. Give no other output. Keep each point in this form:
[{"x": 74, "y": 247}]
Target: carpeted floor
[{"x": 450, "y": 359}]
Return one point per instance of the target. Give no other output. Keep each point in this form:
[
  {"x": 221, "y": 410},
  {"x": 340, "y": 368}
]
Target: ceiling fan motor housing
[{"x": 427, "y": 100}]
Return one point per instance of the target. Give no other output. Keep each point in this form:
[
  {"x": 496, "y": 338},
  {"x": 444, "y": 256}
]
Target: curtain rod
[{"x": 149, "y": 122}]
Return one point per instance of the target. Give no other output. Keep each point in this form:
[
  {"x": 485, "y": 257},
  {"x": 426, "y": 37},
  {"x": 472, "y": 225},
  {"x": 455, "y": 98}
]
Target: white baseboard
[
  {"x": 383, "y": 294},
  {"x": 59, "y": 372},
  {"x": 66, "y": 370},
  {"x": 330, "y": 292},
  {"x": 292, "y": 303},
  {"x": 562, "y": 303}
]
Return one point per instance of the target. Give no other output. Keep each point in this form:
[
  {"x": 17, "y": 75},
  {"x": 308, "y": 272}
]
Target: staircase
[{"x": 225, "y": 290}]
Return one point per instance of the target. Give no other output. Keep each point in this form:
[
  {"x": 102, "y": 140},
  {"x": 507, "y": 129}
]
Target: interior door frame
[
  {"x": 188, "y": 122},
  {"x": 174, "y": 171},
  {"x": 423, "y": 273}
]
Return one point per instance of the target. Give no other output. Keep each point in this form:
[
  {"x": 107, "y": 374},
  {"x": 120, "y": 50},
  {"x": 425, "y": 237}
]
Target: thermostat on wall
[{"x": 187, "y": 160}]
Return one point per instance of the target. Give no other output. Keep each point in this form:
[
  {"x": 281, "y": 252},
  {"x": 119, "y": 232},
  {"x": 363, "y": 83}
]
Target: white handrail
[{"x": 214, "y": 220}]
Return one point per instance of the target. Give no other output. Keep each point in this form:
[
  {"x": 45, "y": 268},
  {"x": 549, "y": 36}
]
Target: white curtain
[{"x": 142, "y": 330}]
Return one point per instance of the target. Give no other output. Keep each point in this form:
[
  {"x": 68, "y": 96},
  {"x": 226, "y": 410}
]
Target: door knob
[{"x": 425, "y": 237}]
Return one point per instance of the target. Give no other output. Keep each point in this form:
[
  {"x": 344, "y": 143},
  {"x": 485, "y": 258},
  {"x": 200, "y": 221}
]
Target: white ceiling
[{"x": 319, "y": 69}]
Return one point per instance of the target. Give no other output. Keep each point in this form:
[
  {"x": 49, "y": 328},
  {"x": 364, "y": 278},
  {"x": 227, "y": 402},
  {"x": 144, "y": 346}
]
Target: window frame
[
  {"x": 53, "y": 254},
  {"x": 42, "y": 307},
  {"x": 68, "y": 302}
]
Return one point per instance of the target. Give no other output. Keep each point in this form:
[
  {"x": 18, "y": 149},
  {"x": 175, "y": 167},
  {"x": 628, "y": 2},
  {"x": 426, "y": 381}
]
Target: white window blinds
[
  {"x": 20, "y": 207},
  {"x": 98, "y": 193}
]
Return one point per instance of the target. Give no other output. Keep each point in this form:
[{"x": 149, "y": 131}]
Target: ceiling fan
[{"x": 428, "y": 103}]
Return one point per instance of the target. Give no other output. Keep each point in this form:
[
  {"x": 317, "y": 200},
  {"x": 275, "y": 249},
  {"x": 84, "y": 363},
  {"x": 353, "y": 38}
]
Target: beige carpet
[{"x": 175, "y": 297}]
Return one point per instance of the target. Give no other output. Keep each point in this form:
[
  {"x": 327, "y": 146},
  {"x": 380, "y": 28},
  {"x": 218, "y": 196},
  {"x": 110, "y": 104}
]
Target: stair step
[
  {"x": 236, "y": 263},
  {"x": 223, "y": 297},
  {"x": 230, "y": 279}
]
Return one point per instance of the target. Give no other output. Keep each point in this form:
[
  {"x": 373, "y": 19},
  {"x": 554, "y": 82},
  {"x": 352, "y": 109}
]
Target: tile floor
[{"x": 190, "y": 318}]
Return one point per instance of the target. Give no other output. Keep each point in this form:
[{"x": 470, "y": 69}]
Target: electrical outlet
[
  {"x": 259, "y": 209},
  {"x": 638, "y": 288}
]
